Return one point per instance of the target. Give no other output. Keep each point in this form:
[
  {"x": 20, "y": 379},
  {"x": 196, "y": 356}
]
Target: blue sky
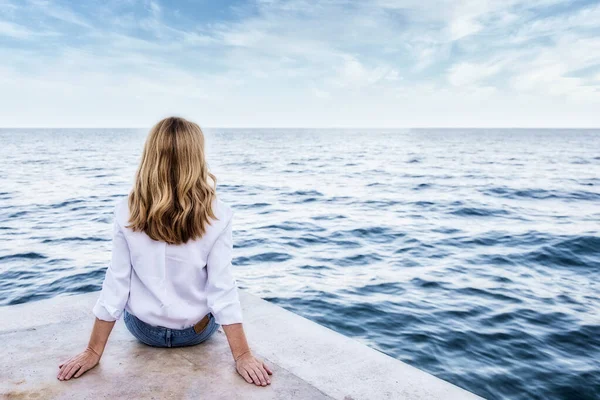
[{"x": 298, "y": 63}]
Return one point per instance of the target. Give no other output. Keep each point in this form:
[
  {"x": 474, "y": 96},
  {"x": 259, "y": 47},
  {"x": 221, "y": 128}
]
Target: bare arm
[
  {"x": 237, "y": 339},
  {"x": 108, "y": 308},
  {"x": 100, "y": 334},
  {"x": 90, "y": 357}
]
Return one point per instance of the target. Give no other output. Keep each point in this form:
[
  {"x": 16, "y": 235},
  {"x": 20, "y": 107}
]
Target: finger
[
  {"x": 266, "y": 367},
  {"x": 81, "y": 371},
  {"x": 260, "y": 375},
  {"x": 254, "y": 376},
  {"x": 246, "y": 376},
  {"x": 68, "y": 370},
  {"x": 64, "y": 370},
  {"x": 76, "y": 368},
  {"x": 265, "y": 375},
  {"x": 86, "y": 367},
  {"x": 64, "y": 362},
  {"x": 71, "y": 369}
]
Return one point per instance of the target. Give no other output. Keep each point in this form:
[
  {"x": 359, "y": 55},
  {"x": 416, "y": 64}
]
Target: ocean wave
[
  {"x": 328, "y": 217},
  {"x": 581, "y": 251},
  {"x": 28, "y": 256},
  {"x": 542, "y": 194},
  {"x": 268, "y": 257},
  {"x": 77, "y": 239},
  {"x": 479, "y": 212},
  {"x": 293, "y": 226}
]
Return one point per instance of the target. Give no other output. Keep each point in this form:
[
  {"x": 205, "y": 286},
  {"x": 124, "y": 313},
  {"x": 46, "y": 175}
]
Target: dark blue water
[{"x": 471, "y": 254}]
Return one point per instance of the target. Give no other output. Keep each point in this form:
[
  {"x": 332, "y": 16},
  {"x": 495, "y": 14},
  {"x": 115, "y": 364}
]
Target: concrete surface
[{"x": 309, "y": 361}]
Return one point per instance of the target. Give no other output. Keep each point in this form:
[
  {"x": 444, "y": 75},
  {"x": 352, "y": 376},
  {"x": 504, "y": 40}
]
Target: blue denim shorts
[{"x": 158, "y": 336}]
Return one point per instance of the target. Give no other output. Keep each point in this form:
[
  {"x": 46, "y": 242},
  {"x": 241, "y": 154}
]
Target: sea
[{"x": 472, "y": 254}]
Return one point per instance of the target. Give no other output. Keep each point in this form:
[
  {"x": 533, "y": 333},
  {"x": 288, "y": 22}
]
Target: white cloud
[
  {"x": 16, "y": 31},
  {"x": 462, "y": 27},
  {"x": 588, "y": 17},
  {"x": 469, "y": 73},
  {"x": 352, "y": 73},
  {"x": 298, "y": 62},
  {"x": 321, "y": 93},
  {"x": 55, "y": 11}
]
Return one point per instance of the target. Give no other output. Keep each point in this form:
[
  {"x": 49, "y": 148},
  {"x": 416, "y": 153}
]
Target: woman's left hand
[{"x": 78, "y": 365}]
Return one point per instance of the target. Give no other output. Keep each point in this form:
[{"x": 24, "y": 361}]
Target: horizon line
[{"x": 313, "y": 127}]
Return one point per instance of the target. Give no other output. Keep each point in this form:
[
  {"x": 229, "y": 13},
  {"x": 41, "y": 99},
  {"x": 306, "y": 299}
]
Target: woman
[{"x": 171, "y": 274}]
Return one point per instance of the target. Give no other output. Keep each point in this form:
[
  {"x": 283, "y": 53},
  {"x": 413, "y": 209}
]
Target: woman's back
[{"x": 169, "y": 285}]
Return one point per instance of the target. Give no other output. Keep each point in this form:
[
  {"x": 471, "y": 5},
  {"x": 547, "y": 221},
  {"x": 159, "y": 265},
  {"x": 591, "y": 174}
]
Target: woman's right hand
[
  {"x": 253, "y": 370},
  {"x": 78, "y": 365}
]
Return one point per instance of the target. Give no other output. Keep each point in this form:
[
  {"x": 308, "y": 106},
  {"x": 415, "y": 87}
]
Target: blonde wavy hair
[{"x": 172, "y": 197}]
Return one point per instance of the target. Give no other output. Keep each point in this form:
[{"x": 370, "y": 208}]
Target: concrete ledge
[{"x": 309, "y": 361}]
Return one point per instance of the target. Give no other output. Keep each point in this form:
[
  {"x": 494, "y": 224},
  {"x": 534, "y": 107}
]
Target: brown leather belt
[{"x": 200, "y": 325}]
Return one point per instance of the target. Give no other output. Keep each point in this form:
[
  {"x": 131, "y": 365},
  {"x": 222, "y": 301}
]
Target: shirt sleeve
[
  {"x": 221, "y": 286},
  {"x": 115, "y": 288}
]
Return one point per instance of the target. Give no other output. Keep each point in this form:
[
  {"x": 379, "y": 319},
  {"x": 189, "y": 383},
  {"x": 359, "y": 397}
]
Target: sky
[{"x": 299, "y": 63}]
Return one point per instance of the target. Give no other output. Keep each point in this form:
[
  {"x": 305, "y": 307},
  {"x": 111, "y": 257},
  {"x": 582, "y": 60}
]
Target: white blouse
[{"x": 171, "y": 285}]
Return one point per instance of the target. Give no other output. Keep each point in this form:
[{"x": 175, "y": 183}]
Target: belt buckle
[{"x": 200, "y": 325}]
